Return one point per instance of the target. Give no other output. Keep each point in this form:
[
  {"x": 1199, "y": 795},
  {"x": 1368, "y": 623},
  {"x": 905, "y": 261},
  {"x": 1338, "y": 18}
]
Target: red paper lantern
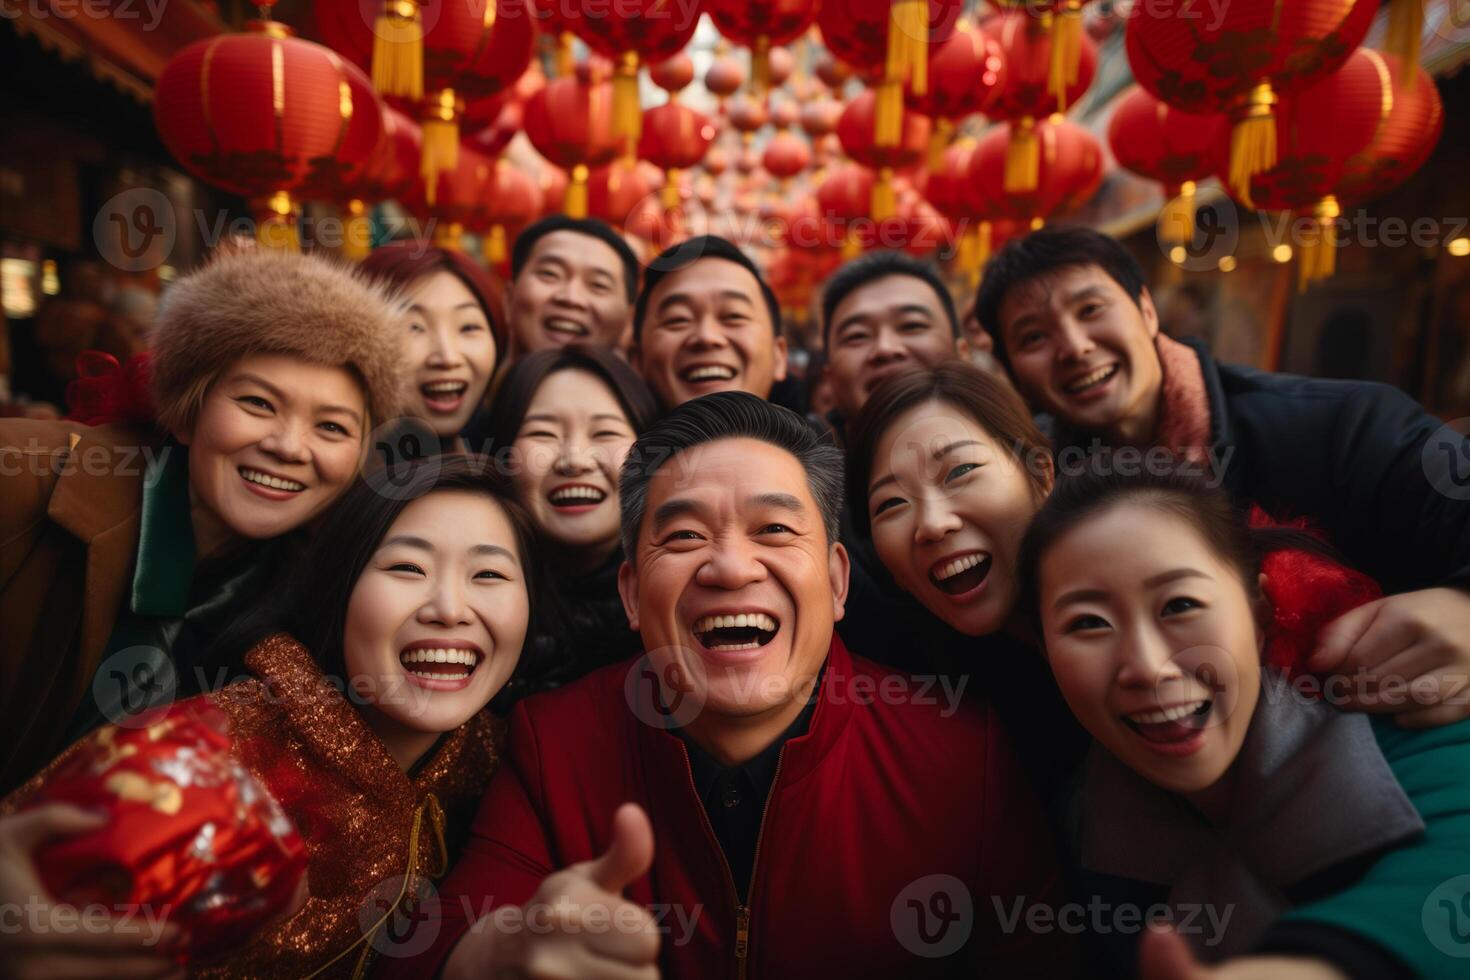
[
  {"x": 786, "y": 155},
  {"x": 552, "y": 186},
  {"x": 832, "y": 73},
  {"x": 1032, "y": 91},
  {"x": 966, "y": 75},
  {"x": 393, "y": 169},
  {"x": 674, "y": 74},
  {"x": 948, "y": 189},
  {"x": 748, "y": 116},
  {"x": 1318, "y": 130},
  {"x": 1178, "y": 149},
  {"x": 569, "y": 122},
  {"x": 267, "y": 116},
  {"x": 512, "y": 201},
  {"x": 1069, "y": 172},
  {"x": 782, "y": 64},
  {"x": 615, "y": 191},
  {"x": 855, "y": 128},
  {"x": 716, "y": 162},
  {"x": 759, "y": 24},
  {"x": 674, "y": 138},
  {"x": 1410, "y": 122},
  {"x": 460, "y": 201},
  {"x": 724, "y": 78},
  {"x": 1241, "y": 60},
  {"x": 820, "y": 117},
  {"x": 896, "y": 36},
  {"x": 631, "y": 33},
  {"x": 784, "y": 115},
  {"x": 470, "y": 49}
]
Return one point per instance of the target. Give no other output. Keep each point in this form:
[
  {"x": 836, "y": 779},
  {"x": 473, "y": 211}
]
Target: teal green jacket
[{"x": 1414, "y": 901}]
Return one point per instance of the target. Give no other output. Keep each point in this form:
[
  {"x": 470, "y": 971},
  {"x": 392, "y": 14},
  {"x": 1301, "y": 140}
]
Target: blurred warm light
[
  {"x": 1281, "y": 253},
  {"x": 167, "y": 273},
  {"x": 1177, "y": 255},
  {"x": 50, "y": 281},
  {"x": 17, "y": 289},
  {"x": 1227, "y": 263},
  {"x": 1459, "y": 247}
]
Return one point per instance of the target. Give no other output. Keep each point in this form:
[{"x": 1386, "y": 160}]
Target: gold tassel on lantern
[
  {"x": 1318, "y": 256},
  {"x": 883, "y": 202},
  {"x": 566, "y": 66},
  {"x": 575, "y": 202},
  {"x": 1066, "y": 51},
  {"x": 1404, "y": 34},
  {"x": 760, "y": 66},
  {"x": 939, "y": 138},
  {"x": 1176, "y": 218},
  {"x": 495, "y": 245},
  {"x": 1023, "y": 157},
  {"x": 447, "y": 235},
  {"x": 275, "y": 223},
  {"x": 398, "y": 50},
  {"x": 1253, "y": 141},
  {"x": 852, "y": 247},
  {"x": 357, "y": 231},
  {"x": 907, "y": 62},
  {"x": 627, "y": 118},
  {"x": 669, "y": 195},
  {"x": 974, "y": 252},
  {"x": 441, "y": 141}
]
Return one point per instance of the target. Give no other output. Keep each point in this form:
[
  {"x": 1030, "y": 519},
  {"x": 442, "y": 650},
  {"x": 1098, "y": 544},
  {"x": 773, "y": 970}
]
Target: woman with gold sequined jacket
[{"x": 418, "y": 595}]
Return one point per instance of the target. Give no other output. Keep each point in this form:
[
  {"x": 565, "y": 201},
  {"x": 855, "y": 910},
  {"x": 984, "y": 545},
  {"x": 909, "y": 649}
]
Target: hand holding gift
[{"x": 162, "y": 826}]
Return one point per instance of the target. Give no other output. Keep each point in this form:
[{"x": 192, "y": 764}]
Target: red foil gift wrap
[{"x": 191, "y": 836}]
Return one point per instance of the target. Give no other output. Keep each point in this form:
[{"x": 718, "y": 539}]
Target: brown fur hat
[{"x": 267, "y": 301}]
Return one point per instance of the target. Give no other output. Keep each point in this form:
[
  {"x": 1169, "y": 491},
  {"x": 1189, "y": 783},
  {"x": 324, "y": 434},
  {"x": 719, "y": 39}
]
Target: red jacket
[{"x": 882, "y": 791}]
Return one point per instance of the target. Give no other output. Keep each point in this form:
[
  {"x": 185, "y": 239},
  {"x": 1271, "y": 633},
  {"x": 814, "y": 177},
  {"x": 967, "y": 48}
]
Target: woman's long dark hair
[{"x": 312, "y": 607}]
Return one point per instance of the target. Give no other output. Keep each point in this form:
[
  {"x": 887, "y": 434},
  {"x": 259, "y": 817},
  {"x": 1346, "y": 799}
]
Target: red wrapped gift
[{"x": 192, "y": 836}]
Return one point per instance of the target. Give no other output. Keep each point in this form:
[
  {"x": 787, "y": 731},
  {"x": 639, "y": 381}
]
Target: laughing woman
[
  {"x": 562, "y": 424},
  {"x": 455, "y": 331},
  {"x": 418, "y": 603},
  {"x": 1318, "y": 841},
  {"x": 139, "y": 542}
]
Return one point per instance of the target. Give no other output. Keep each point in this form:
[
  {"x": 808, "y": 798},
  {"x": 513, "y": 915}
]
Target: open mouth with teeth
[
  {"x": 576, "y": 497},
  {"x": 440, "y": 668},
  {"x": 560, "y": 326},
  {"x": 1177, "y": 723},
  {"x": 276, "y": 487},
  {"x": 444, "y": 396},
  {"x": 958, "y": 576},
  {"x": 707, "y": 373},
  {"x": 1091, "y": 380},
  {"x": 733, "y": 633}
]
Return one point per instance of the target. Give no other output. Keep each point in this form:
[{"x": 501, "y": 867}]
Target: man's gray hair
[{"x": 728, "y": 415}]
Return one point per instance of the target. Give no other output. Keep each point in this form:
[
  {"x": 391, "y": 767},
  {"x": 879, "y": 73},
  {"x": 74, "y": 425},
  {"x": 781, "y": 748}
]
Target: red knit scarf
[{"x": 1184, "y": 405}]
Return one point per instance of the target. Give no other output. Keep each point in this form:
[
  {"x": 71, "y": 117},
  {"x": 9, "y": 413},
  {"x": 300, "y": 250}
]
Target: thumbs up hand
[{"x": 577, "y": 924}]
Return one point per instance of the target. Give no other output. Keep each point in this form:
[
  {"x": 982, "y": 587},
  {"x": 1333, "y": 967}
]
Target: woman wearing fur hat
[
  {"x": 454, "y": 330},
  {"x": 135, "y": 544}
]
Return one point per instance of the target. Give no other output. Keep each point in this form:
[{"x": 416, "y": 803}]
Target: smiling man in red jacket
[{"x": 799, "y": 812}]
